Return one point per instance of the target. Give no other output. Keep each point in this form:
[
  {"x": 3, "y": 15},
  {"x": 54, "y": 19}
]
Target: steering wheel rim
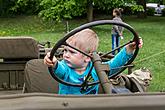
[{"x": 89, "y": 25}]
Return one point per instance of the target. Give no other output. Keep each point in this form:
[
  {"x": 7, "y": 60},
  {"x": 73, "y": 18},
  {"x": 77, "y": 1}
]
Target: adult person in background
[{"x": 117, "y": 31}]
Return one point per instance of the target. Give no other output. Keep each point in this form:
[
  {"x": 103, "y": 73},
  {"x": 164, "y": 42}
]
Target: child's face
[{"x": 73, "y": 58}]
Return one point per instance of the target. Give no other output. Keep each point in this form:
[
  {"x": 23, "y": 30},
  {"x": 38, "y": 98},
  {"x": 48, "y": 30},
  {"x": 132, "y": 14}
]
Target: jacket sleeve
[
  {"x": 60, "y": 69},
  {"x": 119, "y": 60}
]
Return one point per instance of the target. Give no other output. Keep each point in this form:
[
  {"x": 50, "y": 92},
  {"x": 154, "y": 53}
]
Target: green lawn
[{"x": 151, "y": 29}]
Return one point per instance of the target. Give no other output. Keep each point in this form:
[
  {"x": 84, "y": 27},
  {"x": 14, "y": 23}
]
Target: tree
[
  {"x": 5, "y": 6},
  {"x": 25, "y": 7},
  {"x": 89, "y": 10},
  {"x": 67, "y": 9},
  {"x": 61, "y": 9},
  {"x": 108, "y": 5},
  {"x": 143, "y": 13}
]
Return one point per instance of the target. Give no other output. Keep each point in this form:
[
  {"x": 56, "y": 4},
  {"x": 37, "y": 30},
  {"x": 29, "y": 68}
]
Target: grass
[{"x": 151, "y": 29}]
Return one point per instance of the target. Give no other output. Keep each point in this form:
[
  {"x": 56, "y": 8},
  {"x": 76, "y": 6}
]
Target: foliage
[
  {"x": 108, "y": 5},
  {"x": 163, "y": 12},
  {"x": 67, "y": 9},
  {"x": 5, "y": 6},
  {"x": 132, "y": 8},
  {"x": 60, "y": 9},
  {"x": 150, "y": 11},
  {"x": 156, "y": 1},
  {"x": 17, "y": 7},
  {"x": 26, "y": 7},
  {"x": 136, "y": 9}
]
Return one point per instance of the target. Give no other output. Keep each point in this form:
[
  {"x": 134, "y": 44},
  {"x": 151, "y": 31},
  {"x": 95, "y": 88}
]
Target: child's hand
[
  {"x": 48, "y": 62},
  {"x": 131, "y": 47}
]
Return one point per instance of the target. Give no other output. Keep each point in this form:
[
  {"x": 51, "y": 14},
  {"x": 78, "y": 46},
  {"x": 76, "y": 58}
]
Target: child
[
  {"x": 117, "y": 31},
  {"x": 75, "y": 66}
]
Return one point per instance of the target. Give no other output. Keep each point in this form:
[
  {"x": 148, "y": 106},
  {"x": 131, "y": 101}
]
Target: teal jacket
[{"x": 68, "y": 74}]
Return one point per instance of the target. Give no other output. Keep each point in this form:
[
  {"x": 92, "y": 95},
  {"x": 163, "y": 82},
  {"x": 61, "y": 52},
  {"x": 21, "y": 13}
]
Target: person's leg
[
  {"x": 113, "y": 43},
  {"x": 117, "y": 42}
]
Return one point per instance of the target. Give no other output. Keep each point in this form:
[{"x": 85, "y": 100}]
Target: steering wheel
[{"x": 89, "y": 25}]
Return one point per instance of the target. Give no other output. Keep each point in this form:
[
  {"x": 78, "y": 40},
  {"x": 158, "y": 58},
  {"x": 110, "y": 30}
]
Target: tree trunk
[
  {"x": 142, "y": 14},
  {"x": 90, "y": 11}
]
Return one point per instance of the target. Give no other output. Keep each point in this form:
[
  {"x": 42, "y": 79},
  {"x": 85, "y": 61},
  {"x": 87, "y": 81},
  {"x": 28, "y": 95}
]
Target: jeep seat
[
  {"x": 14, "y": 53},
  {"x": 38, "y": 79}
]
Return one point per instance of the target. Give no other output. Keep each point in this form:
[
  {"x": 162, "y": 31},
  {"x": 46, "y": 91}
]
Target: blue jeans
[{"x": 115, "y": 42}]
